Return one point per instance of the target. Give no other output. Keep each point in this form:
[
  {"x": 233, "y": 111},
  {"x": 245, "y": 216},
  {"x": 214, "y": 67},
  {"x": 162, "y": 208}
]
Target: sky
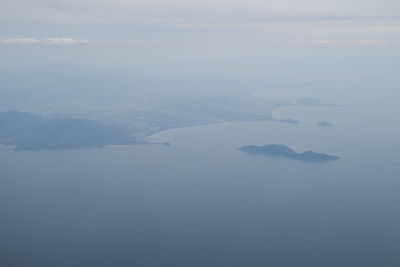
[
  {"x": 215, "y": 26},
  {"x": 252, "y": 38}
]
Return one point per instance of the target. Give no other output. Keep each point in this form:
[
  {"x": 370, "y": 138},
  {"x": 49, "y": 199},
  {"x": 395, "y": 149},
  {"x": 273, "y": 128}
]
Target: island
[
  {"x": 275, "y": 150},
  {"x": 290, "y": 121},
  {"x": 325, "y": 124}
]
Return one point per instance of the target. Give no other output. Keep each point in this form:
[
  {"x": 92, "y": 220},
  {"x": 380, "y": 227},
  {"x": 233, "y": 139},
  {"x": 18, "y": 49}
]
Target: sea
[{"x": 202, "y": 202}]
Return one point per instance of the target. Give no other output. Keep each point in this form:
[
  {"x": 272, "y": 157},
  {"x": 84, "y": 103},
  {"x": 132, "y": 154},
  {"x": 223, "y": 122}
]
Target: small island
[
  {"x": 325, "y": 124},
  {"x": 275, "y": 150},
  {"x": 290, "y": 121}
]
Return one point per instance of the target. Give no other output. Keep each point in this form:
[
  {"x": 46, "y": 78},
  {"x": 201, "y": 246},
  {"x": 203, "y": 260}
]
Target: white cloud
[
  {"x": 346, "y": 42},
  {"x": 48, "y": 41},
  {"x": 63, "y": 41},
  {"x": 20, "y": 41},
  {"x": 231, "y": 22}
]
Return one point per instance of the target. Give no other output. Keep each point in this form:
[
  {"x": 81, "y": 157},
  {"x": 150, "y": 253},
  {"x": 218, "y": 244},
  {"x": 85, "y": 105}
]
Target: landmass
[
  {"x": 310, "y": 101},
  {"x": 27, "y": 131},
  {"x": 275, "y": 150},
  {"x": 75, "y": 125},
  {"x": 307, "y": 101},
  {"x": 98, "y": 128}
]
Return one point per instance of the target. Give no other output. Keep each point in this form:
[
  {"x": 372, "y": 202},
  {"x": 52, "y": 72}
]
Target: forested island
[
  {"x": 275, "y": 150},
  {"x": 325, "y": 124}
]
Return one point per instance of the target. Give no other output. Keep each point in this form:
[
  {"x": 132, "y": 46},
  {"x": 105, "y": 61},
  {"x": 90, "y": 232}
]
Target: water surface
[{"x": 201, "y": 202}]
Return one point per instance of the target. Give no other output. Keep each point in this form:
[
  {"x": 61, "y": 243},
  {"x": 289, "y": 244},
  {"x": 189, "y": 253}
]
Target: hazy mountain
[{"x": 32, "y": 132}]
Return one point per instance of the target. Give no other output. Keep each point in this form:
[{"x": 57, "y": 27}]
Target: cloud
[
  {"x": 47, "y": 41},
  {"x": 215, "y": 22},
  {"x": 346, "y": 42},
  {"x": 20, "y": 41},
  {"x": 63, "y": 41}
]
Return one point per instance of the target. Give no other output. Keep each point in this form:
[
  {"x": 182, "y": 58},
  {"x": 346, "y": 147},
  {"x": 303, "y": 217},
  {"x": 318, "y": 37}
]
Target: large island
[{"x": 275, "y": 150}]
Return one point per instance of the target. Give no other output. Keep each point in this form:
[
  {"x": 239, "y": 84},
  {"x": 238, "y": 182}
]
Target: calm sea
[{"x": 201, "y": 202}]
